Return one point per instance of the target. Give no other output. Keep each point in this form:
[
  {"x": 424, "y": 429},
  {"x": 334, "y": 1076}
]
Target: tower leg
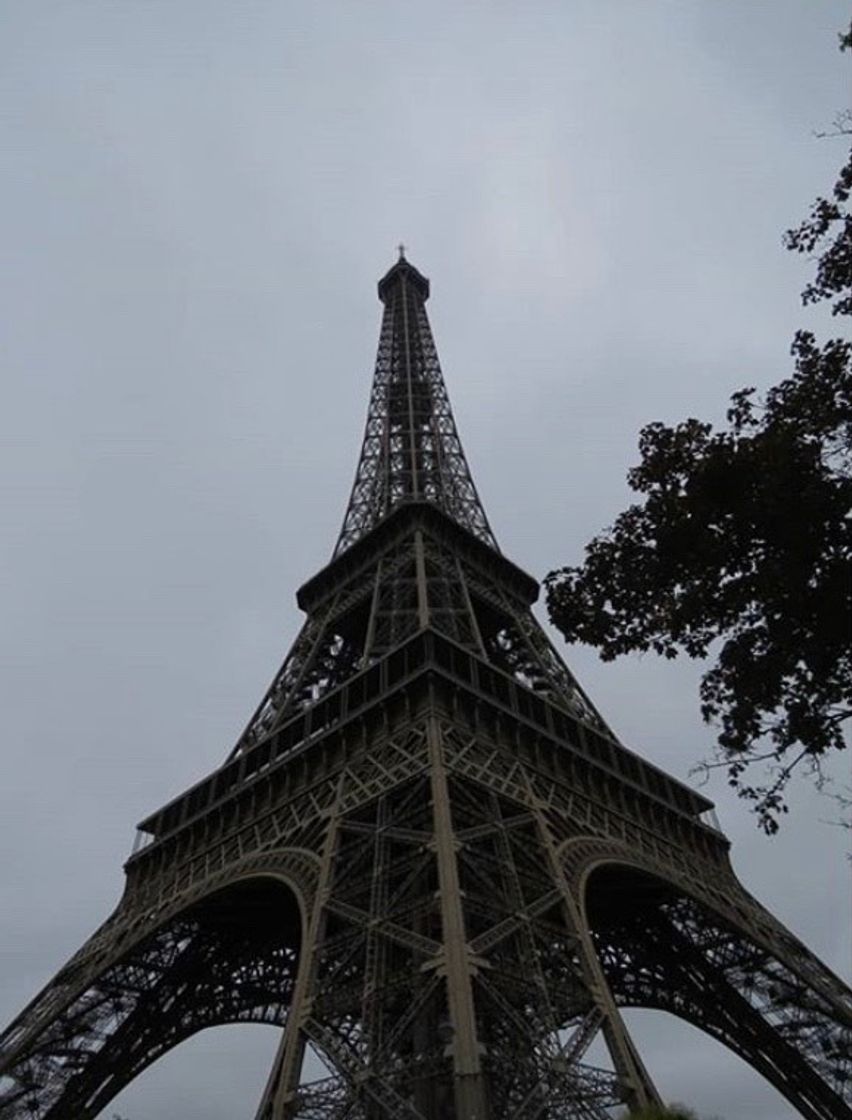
[
  {"x": 639, "y": 1089},
  {"x": 116, "y": 1008},
  {"x": 459, "y": 967},
  {"x": 279, "y": 1100},
  {"x": 739, "y": 976}
]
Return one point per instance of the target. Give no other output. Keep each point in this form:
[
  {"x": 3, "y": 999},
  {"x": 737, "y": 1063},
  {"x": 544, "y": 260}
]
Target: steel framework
[{"x": 428, "y": 858}]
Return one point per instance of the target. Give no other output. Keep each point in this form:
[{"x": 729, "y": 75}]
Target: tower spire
[{"x": 411, "y": 450}]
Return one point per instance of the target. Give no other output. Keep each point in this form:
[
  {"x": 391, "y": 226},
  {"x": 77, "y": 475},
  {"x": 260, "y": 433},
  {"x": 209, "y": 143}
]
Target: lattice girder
[
  {"x": 426, "y": 574},
  {"x": 411, "y": 449},
  {"x": 389, "y": 994}
]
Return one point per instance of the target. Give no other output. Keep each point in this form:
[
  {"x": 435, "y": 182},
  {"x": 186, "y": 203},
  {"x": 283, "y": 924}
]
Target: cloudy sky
[{"x": 196, "y": 199}]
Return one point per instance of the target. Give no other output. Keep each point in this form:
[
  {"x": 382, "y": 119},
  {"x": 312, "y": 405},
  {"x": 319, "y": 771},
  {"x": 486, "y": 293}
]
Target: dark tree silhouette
[{"x": 742, "y": 546}]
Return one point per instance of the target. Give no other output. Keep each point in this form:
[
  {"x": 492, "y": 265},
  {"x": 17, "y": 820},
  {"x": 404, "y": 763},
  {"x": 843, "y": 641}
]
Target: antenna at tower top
[{"x": 401, "y": 249}]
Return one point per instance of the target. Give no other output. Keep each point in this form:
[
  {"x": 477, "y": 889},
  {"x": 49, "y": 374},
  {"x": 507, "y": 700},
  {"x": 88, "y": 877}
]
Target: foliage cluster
[{"x": 742, "y": 545}]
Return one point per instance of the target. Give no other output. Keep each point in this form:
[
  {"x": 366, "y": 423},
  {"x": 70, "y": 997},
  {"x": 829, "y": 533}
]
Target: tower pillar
[{"x": 458, "y": 963}]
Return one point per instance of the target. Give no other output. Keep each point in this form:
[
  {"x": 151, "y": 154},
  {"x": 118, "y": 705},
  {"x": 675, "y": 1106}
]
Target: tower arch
[
  {"x": 228, "y": 954},
  {"x": 670, "y": 945}
]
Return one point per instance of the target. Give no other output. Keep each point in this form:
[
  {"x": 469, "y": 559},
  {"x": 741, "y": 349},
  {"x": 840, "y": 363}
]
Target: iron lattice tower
[{"x": 428, "y": 858}]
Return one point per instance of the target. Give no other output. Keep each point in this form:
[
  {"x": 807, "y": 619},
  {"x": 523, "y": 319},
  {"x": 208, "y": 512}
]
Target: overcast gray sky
[{"x": 196, "y": 201}]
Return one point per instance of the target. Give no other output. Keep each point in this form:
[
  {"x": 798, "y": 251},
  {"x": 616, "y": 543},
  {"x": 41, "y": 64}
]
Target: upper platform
[{"x": 403, "y": 272}]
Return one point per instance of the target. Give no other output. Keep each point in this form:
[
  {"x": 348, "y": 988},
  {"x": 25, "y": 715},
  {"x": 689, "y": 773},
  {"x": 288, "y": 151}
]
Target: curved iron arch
[
  {"x": 127, "y": 1006},
  {"x": 664, "y": 944}
]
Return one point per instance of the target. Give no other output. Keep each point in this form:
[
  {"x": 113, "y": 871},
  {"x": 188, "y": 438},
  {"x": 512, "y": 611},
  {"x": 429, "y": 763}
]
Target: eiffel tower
[{"x": 428, "y": 858}]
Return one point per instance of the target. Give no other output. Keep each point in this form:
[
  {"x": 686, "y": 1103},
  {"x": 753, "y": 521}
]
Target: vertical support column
[
  {"x": 422, "y": 589},
  {"x": 639, "y": 1088},
  {"x": 413, "y": 435},
  {"x": 468, "y": 1080},
  {"x": 374, "y": 610},
  {"x": 371, "y": 1011},
  {"x": 279, "y": 1097},
  {"x": 474, "y": 624}
]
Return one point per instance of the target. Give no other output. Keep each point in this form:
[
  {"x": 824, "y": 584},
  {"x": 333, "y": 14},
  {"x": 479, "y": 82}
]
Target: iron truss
[
  {"x": 422, "y": 572},
  {"x": 428, "y": 861},
  {"x": 206, "y": 968},
  {"x": 411, "y": 449},
  {"x": 387, "y": 990}
]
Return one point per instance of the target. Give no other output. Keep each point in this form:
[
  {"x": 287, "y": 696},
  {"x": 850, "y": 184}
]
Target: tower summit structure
[{"x": 428, "y": 858}]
